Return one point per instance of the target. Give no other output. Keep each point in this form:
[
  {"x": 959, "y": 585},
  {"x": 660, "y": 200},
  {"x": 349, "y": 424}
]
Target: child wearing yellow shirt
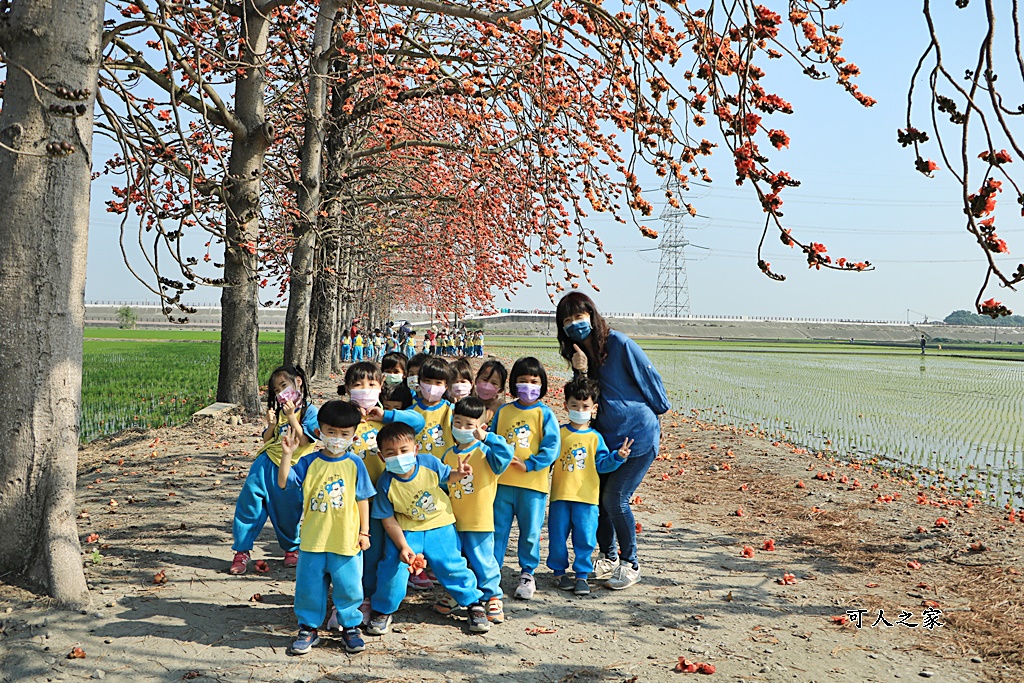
[
  {"x": 434, "y": 378},
  {"x": 417, "y": 517},
  {"x": 575, "y": 487},
  {"x": 531, "y": 429},
  {"x": 335, "y": 526},
  {"x": 472, "y": 496},
  {"x": 363, "y": 385}
]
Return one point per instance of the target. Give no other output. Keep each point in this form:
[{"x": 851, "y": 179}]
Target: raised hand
[
  {"x": 465, "y": 469},
  {"x": 271, "y": 418},
  {"x": 289, "y": 442},
  {"x": 579, "y": 359},
  {"x": 624, "y": 448},
  {"x": 288, "y": 408},
  {"x": 480, "y": 432},
  {"x": 375, "y": 413}
]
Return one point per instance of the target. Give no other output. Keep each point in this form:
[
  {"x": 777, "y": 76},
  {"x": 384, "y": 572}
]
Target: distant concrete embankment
[{"x": 708, "y": 327}]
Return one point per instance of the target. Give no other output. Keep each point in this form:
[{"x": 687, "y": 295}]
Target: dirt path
[{"x": 162, "y": 501}]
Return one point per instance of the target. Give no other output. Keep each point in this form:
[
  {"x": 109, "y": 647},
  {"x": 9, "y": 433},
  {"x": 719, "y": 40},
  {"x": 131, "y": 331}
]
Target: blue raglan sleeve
[
  {"x": 497, "y": 452},
  {"x": 647, "y": 378},
  {"x": 550, "y": 444},
  {"x": 364, "y": 487},
  {"x": 604, "y": 460},
  {"x": 310, "y": 423},
  {"x": 297, "y": 474},
  {"x": 409, "y": 417},
  {"x": 431, "y": 462},
  {"x": 382, "y": 507}
]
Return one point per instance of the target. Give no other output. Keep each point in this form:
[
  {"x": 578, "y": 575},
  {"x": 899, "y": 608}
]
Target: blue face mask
[
  {"x": 578, "y": 331},
  {"x": 400, "y": 464}
]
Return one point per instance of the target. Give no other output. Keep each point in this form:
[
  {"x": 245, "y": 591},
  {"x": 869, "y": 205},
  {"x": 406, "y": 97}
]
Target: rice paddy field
[
  {"x": 143, "y": 384},
  {"x": 953, "y": 420}
]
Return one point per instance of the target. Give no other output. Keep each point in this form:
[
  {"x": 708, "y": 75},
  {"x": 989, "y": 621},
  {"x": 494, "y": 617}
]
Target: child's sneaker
[
  {"x": 526, "y": 587},
  {"x": 478, "y": 619},
  {"x": 240, "y": 563},
  {"x": 495, "y": 611},
  {"x": 306, "y": 641},
  {"x": 604, "y": 568},
  {"x": 365, "y": 610},
  {"x": 564, "y": 582},
  {"x": 623, "y": 577},
  {"x": 379, "y": 624},
  {"x": 446, "y": 605},
  {"x": 291, "y": 558},
  {"x": 353, "y": 640},
  {"x": 581, "y": 587},
  {"x": 420, "y": 582}
]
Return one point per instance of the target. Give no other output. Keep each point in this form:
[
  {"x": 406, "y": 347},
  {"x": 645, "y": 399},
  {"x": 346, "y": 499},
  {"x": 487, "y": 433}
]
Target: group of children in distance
[
  {"x": 417, "y": 477},
  {"x": 373, "y": 346}
]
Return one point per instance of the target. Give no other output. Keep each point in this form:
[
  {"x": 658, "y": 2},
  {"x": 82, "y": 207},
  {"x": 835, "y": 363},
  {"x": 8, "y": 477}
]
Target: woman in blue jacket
[{"x": 632, "y": 398}]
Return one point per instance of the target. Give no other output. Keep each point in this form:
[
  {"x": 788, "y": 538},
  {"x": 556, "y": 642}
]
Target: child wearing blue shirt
[
  {"x": 335, "y": 528},
  {"x": 417, "y": 517}
]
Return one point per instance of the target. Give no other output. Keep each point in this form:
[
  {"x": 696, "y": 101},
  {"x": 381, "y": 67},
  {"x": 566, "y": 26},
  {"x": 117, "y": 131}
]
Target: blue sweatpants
[
  {"x": 345, "y": 352},
  {"x": 260, "y": 498},
  {"x": 567, "y": 517},
  {"x": 441, "y": 548},
  {"x": 357, "y": 354},
  {"x": 478, "y": 547},
  {"x": 314, "y": 573},
  {"x": 372, "y": 556},
  {"x": 527, "y": 506}
]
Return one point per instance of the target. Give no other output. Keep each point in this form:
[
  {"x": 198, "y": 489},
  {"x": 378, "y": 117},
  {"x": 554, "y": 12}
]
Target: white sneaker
[
  {"x": 603, "y": 569},
  {"x": 527, "y": 585},
  {"x": 624, "y": 576}
]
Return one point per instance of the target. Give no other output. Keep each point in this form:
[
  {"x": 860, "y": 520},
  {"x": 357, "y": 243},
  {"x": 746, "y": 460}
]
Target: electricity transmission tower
[{"x": 672, "y": 297}]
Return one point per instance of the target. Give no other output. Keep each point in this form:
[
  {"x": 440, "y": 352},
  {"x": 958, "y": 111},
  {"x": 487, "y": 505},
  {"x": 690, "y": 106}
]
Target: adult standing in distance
[{"x": 632, "y": 398}]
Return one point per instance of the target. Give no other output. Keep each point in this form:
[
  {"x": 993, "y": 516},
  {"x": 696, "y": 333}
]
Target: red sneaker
[
  {"x": 291, "y": 558},
  {"x": 240, "y": 563}
]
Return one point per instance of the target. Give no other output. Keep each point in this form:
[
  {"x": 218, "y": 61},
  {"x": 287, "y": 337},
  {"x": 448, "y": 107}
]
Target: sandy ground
[{"x": 162, "y": 501}]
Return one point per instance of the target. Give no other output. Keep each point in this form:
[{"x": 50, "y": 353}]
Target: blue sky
[{"x": 860, "y": 196}]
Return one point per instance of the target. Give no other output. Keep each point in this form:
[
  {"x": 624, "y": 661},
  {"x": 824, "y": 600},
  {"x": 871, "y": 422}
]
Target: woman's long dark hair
[{"x": 572, "y": 304}]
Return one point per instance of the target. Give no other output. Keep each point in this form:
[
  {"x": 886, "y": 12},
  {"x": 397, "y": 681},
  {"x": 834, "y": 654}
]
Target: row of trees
[{"x": 348, "y": 155}]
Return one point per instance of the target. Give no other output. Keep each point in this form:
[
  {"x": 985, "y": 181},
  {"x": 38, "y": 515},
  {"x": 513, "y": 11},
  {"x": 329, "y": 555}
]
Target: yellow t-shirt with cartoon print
[
  {"x": 472, "y": 496},
  {"x": 436, "y": 435},
  {"x": 331, "y": 489},
  {"x": 309, "y": 426},
  {"x": 532, "y": 432},
  {"x": 418, "y": 503},
  {"x": 582, "y": 458}
]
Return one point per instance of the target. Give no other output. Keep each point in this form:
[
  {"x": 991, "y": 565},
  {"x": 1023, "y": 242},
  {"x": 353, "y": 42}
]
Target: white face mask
[
  {"x": 579, "y": 416},
  {"x": 413, "y": 382},
  {"x": 463, "y": 436},
  {"x": 336, "y": 444}
]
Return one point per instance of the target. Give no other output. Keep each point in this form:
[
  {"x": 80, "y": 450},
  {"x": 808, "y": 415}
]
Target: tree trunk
[
  {"x": 296, "y": 332},
  {"x": 44, "y": 228},
  {"x": 318, "y": 305},
  {"x": 238, "y": 381}
]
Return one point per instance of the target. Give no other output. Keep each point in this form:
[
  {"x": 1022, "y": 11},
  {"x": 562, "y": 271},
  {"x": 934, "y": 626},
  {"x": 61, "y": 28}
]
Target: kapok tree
[
  {"x": 552, "y": 75},
  {"x": 191, "y": 160},
  {"x": 970, "y": 114},
  {"x": 50, "y": 55}
]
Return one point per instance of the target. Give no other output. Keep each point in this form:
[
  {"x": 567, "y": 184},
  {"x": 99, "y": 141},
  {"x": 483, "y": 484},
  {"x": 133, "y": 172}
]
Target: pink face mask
[
  {"x": 486, "y": 391},
  {"x": 290, "y": 394},
  {"x": 460, "y": 390},
  {"x": 365, "y": 398},
  {"x": 432, "y": 392}
]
